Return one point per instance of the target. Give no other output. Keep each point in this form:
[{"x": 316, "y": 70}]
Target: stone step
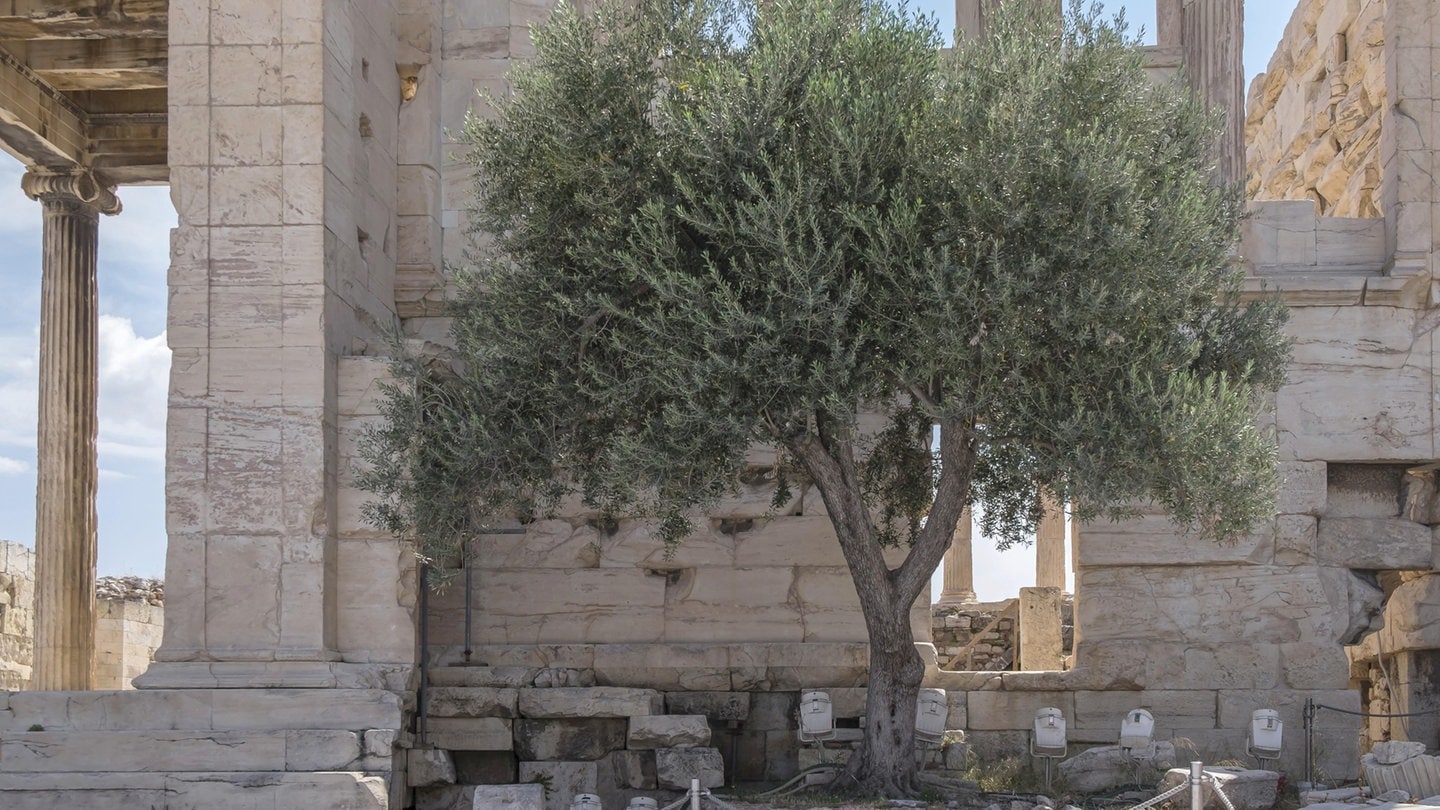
[
  {"x": 201, "y": 710},
  {"x": 58, "y": 752},
  {"x": 273, "y": 790},
  {"x": 494, "y": 677}
]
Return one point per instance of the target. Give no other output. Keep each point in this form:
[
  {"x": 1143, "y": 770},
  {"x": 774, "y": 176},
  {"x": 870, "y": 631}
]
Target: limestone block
[
  {"x": 999, "y": 711},
  {"x": 635, "y": 545},
  {"x": 193, "y": 791},
  {"x": 428, "y": 766},
  {"x": 483, "y": 677},
  {"x": 1409, "y": 617},
  {"x": 675, "y": 767},
  {"x": 1374, "y": 543},
  {"x": 717, "y": 706},
  {"x": 633, "y": 770},
  {"x": 509, "y": 797},
  {"x": 598, "y": 701},
  {"x": 545, "y": 544},
  {"x": 1271, "y": 604},
  {"x": 1246, "y": 789},
  {"x": 569, "y": 739},
  {"x": 1394, "y": 752},
  {"x": 530, "y": 606},
  {"x": 260, "y": 709},
  {"x": 472, "y": 701},
  {"x": 668, "y": 731},
  {"x": 1313, "y": 665},
  {"x": 732, "y": 604},
  {"x": 1295, "y": 539},
  {"x": 469, "y": 733},
  {"x": 1330, "y": 411},
  {"x": 677, "y": 666},
  {"x": 78, "y": 751},
  {"x": 1100, "y": 713},
  {"x": 1039, "y": 625},
  {"x": 564, "y": 779},
  {"x": 1108, "y": 766},
  {"x": 807, "y": 540},
  {"x": 1302, "y": 488},
  {"x": 321, "y": 750},
  {"x": 829, "y": 608},
  {"x": 1153, "y": 539},
  {"x": 379, "y": 742}
]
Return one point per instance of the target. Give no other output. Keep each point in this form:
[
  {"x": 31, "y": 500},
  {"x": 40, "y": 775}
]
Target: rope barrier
[
  {"x": 1162, "y": 797},
  {"x": 1369, "y": 714},
  {"x": 1215, "y": 786}
]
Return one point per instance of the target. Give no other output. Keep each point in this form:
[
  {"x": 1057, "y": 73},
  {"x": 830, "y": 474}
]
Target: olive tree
[{"x": 706, "y": 225}]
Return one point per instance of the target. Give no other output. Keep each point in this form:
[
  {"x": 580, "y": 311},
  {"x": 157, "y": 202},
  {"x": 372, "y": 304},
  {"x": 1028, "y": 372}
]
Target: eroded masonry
[{"x": 320, "y": 194}]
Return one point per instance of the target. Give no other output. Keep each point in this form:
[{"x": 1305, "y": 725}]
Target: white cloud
[
  {"x": 13, "y": 466},
  {"x": 134, "y": 376}
]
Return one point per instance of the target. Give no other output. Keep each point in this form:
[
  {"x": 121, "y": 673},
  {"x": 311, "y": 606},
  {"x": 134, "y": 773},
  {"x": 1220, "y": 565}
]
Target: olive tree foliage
[{"x": 704, "y": 225}]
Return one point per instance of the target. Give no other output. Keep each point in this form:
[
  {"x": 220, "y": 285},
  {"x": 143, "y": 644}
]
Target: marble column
[
  {"x": 971, "y": 15},
  {"x": 958, "y": 587},
  {"x": 1212, "y": 39},
  {"x": 65, "y": 440},
  {"x": 1050, "y": 546}
]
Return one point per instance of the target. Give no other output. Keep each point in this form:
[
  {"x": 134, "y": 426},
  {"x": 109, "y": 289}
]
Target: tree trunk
[{"x": 885, "y": 763}]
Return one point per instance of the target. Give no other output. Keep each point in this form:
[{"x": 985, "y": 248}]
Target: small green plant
[
  {"x": 544, "y": 780},
  {"x": 35, "y": 727}
]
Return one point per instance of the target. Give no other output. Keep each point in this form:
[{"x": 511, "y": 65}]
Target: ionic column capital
[{"x": 75, "y": 186}]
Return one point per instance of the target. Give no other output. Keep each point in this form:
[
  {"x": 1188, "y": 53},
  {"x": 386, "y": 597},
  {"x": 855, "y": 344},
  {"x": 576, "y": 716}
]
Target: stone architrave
[
  {"x": 65, "y": 440},
  {"x": 958, "y": 586}
]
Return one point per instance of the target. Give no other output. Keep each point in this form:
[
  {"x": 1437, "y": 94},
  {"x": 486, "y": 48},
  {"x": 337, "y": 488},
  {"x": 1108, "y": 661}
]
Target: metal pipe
[
  {"x": 469, "y": 596},
  {"x": 1197, "y": 800},
  {"x": 1308, "y": 718},
  {"x": 694, "y": 794},
  {"x": 420, "y": 695}
]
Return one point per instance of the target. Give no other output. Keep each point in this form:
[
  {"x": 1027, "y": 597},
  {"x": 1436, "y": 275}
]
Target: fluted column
[
  {"x": 1212, "y": 39},
  {"x": 65, "y": 439},
  {"x": 1050, "y": 546},
  {"x": 958, "y": 586}
]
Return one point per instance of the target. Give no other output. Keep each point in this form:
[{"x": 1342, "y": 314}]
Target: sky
[{"x": 134, "y": 360}]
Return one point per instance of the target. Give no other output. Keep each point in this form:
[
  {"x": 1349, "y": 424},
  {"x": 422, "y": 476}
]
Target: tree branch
[{"x": 957, "y": 465}]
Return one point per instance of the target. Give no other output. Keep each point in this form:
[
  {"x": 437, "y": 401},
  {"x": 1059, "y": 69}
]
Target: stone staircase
[{"x": 198, "y": 748}]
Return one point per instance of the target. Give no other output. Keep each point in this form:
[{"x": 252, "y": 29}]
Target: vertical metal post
[
  {"x": 1308, "y": 721},
  {"x": 694, "y": 794},
  {"x": 469, "y": 596},
  {"x": 421, "y": 698},
  {"x": 1197, "y": 799}
]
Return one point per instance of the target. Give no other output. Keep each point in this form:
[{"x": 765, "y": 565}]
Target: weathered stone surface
[
  {"x": 485, "y": 767},
  {"x": 565, "y": 779},
  {"x": 675, "y": 767},
  {"x": 569, "y": 739},
  {"x": 470, "y": 733},
  {"x": 1246, "y": 789},
  {"x": 633, "y": 770},
  {"x": 1107, "y": 766},
  {"x": 598, "y": 701},
  {"x": 668, "y": 731},
  {"x": 509, "y": 797},
  {"x": 719, "y": 706},
  {"x": 472, "y": 701},
  {"x": 1416, "y": 775},
  {"x": 1375, "y": 543},
  {"x": 429, "y": 766},
  {"x": 1394, "y": 752}
]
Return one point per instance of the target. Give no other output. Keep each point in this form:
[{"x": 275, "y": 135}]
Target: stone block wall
[
  {"x": 1313, "y": 123},
  {"x": 129, "y": 620},
  {"x": 129, "y": 623},
  {"x": 17, "y": 620},
  {"x": 984, "y": 633}
]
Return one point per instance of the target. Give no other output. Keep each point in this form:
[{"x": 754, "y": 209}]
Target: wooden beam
[
  {"x": 38, "y": 125},
  {"x": 95, "y": 64},
  {"x": 83, "y": 19}
]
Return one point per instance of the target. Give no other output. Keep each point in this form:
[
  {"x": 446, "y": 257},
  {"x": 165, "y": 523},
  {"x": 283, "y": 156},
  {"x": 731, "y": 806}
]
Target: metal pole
[
  {"x": 1308, "y": 717},
  {"x": 469, "y": 596},
  {"x": 421, "y": 696},
  {"x": 694, "y": 794},
  {"x": 1197, "y": 800}
]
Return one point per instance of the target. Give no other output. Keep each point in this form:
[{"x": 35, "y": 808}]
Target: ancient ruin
[{"x": 310, "y": 156}]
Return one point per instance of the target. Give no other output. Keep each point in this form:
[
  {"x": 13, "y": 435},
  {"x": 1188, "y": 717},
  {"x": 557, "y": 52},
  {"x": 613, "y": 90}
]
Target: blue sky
[{"x": 134, "y": 248}]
